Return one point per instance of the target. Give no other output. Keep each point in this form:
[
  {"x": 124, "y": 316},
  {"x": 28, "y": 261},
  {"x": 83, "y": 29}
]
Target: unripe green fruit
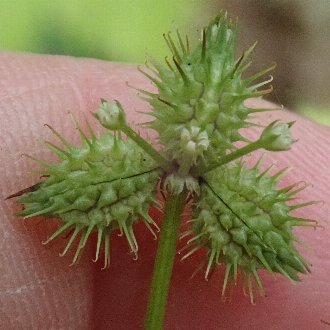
[
  {"x": 202, "y": 92},
  {"x": 107, "y": 183},
  {"x": 244, "y": 222}
]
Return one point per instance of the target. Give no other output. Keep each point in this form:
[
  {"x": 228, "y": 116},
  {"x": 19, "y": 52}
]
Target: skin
[{"x": 38, "y": 290}]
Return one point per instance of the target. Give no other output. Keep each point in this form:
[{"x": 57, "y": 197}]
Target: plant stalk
[
  {"x": 164, "y": 261},
  {"x": 228, "y": 158},
  {"x": 162, "y": 161}
]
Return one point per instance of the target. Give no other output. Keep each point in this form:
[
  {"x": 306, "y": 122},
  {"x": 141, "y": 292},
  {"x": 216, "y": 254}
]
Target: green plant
[{"x": 238, "y": 215}]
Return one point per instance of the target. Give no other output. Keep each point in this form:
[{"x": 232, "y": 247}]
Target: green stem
[
  {"x": 162, "y": 161},
  {"x": 228, "y": 158},
  {"x": 164, "y": 262}
]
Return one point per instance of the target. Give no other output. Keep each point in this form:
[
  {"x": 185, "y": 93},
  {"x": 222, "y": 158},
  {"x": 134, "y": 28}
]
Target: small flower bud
[
  {"x": 194, "y": 141},
  {"x": 277, "y": 137},
  {"x": 111, "y": 115},
  {"x": 175, "y": 184},
  {"x": 191, "y": 147}
]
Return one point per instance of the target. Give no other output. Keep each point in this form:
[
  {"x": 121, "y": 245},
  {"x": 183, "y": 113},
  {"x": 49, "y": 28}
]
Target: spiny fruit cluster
[
  {"x": 243, "y": 221},
  {"x": 239, "y": 216},
  {"x": 108, "y": 183},
  {"x": 199, "y": 107}
]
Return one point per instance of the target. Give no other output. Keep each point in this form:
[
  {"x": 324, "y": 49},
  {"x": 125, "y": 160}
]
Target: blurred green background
[{"x": 294, "y": 34}]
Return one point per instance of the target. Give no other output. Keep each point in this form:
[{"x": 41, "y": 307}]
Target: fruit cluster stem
[
  {"x": 228, "y": 158},
  {"x": 162, "y": 161},
  {"x": 164, "y": 261}
]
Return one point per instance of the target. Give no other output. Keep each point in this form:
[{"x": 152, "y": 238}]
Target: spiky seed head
[
  {"x": 106, "y": 184},
  {"x": 244, "y": 222},
  {"x": 204, "y": 92}
]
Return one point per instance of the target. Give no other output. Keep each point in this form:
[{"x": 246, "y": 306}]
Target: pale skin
[{"x": 38, "y": 289}]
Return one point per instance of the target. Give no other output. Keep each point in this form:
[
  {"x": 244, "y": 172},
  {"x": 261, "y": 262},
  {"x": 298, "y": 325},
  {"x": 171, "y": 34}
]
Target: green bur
[
  {"x": 203, "y": 90},
  {"x": 107, "y": 183},
  {"x": 243, "y": 222}
]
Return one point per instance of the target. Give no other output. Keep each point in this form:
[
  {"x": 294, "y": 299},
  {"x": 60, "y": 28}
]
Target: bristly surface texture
[
  {"x": 200, "y": 96},
  {"x": 243, "y": 221},
  {"x": 239, "y": 215},
  {"x": 107, "y": 183}
]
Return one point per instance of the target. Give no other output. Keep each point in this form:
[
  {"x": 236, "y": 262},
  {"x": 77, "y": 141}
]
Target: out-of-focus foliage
[
  {"x": 114, "y": 30},
  {"x": 318, "y": 114}
]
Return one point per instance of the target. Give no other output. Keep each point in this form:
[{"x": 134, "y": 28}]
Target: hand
[{"x": 38, "y": 290}]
